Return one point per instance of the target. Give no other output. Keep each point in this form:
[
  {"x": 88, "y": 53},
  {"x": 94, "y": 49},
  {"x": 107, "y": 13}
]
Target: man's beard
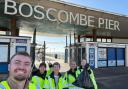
[{"x": 20, "y": 78}]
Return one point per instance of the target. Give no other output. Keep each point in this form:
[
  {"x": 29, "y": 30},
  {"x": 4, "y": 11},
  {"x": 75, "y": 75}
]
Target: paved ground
[
  {"x": 112, "y": 78},
  {"x": 113, "y": 82}
]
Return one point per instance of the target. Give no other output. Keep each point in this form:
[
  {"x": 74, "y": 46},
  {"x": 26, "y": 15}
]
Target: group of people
[{"x": 21, "y": 75}]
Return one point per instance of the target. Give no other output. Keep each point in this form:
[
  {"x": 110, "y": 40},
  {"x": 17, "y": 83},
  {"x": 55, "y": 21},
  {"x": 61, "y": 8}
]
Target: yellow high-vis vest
[
  {"x": 50, "y": 82},
  {"x": 70, "y": 79},
  {"x": 5, "y": 85}
]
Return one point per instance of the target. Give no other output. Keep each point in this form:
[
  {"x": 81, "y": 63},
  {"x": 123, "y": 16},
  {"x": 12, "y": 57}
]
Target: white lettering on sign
[
  {"x": 74, "y": 18},
  {"x": 60, "y": 13},
  {"x": 21, "y": 11},
  {"x": 39, "y": 12},
  {"x": 101, "y": 22},
  {"x": 50, "y": 10},
  {"x": 108, "y": 24},
  {"x": 83, "y": 19},
  {"x": 91, "y": 21},
  {"x": 13, "y": 7},
  {"x": 63, "y": 16}
]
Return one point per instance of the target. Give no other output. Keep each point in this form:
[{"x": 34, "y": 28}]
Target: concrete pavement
[{"x": 112, "y": 78}]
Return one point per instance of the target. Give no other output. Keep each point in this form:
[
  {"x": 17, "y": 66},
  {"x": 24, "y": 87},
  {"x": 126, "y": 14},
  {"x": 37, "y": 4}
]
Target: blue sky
[{"x": 117, "y": 6}]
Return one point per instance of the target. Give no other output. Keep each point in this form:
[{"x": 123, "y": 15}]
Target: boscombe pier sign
[{"x": 10, "y": 8}]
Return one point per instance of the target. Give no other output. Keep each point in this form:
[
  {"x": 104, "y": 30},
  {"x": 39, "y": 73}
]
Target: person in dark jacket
[
  {"x": 83, "y": 63},
  {"x": 38, "y": 76},
  {"x": 86, "y": 79}
]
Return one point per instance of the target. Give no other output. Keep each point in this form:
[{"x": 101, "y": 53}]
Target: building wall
[
  {"x": 126, "y": 56},
  {"x": 119, "y": 40}
]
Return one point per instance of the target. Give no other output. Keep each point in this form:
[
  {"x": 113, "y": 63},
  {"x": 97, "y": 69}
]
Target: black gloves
[{"x": 87, "y": 68}]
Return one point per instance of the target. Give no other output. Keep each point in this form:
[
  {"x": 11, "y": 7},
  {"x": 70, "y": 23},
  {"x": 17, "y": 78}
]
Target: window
[
  {"x": 98, "y": 39},
  {"x": 21, "y": 48},
  {"x": 109, "y": 40},
  {"x": 82, "y": 39},
  {"x": 89, "y": 39},
  {"x": 2, "y": 32},
  {"x": 103, "y": 40}
]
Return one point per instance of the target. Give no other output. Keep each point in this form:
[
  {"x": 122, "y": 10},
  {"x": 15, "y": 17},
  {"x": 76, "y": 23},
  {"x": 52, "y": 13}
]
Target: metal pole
[
  {"x": 70, "y": 47},
  {"x": 66, "y": 41},
  {"x": 75, "y": 47},
  {"x": 44, "y": 50},
  {"x": 74, "y": 35},
  {"x": 70, "y": 39},
  {"x": 94, "y": 35},
  {"x": 66, "y": 51},
  {"x": 33, "y": 47},
  {"x": 74, "y": 38}
]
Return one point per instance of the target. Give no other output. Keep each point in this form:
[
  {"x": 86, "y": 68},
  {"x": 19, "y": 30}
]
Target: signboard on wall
[
  {"x": 120, "y": 62},
  {"x": 92, "y": 57},
  {"x": 111, "y": 62},
  {"x": 102, "y": 57},
  {"x": 37, "y": 12},
  {"x": 21, "y": 48},
  {"x": 102, "y": 53},
  {"x": 102, "y": 63},
  {"x": 21, "y": 40}
]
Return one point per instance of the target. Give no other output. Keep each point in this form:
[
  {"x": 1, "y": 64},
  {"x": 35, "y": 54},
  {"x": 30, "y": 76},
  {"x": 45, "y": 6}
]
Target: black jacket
[{"x": 37, "y": 73}]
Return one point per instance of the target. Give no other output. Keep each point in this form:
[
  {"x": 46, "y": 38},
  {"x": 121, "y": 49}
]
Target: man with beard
[{"x": 19, "y": 72}]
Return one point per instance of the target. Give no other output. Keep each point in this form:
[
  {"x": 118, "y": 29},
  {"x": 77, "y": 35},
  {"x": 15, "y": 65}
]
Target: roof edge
[{"x": 81, "y": 6}]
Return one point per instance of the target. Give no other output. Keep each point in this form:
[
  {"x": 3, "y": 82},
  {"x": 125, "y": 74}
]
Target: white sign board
[{"x": 102, "y": 55}]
